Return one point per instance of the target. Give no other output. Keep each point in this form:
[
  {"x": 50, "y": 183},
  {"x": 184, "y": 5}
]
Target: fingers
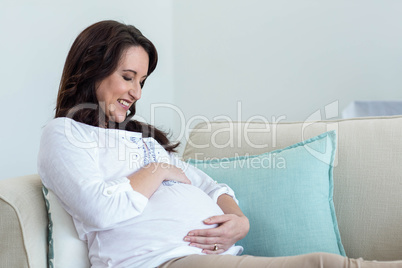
[
  {"x": 186, "y": 180},
  {"x": 174, "y": 173},
  {"x": 210, "y": 249},
  {"x": 180, "y": 176},
  {"x": 218, "y": 219},
  {"x": 206, "y": 236},
  {"x": 203, "y": 236},
  {"x": 222, "y": 236},
  {"x": 207, "y": 240},
  {"x": 209, "y": 245}
]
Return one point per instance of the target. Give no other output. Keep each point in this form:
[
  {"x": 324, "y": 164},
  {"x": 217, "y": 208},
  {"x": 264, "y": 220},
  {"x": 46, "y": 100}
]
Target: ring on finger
[{"x": 215, "y": 247}]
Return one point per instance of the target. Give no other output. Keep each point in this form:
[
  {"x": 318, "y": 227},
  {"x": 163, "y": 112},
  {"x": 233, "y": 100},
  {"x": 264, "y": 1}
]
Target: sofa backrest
[
  {"x": 367, "y": 173},
  {"x": 23, "y": 223}
]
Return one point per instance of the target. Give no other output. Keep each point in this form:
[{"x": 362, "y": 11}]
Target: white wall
[
  {"x": 285, "y": 59},
  {"x": 35, "y": 39}
]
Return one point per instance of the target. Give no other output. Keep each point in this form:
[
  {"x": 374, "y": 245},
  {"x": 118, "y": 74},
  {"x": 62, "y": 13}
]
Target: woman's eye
[
  {"x": 142, "y": 84},
  {"x": 127, "y": 78}
]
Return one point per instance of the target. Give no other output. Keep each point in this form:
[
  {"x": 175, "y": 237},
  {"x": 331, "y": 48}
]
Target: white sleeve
[
  {"x": 73, "y": 174},
  {"x": 201, "y": 180}
]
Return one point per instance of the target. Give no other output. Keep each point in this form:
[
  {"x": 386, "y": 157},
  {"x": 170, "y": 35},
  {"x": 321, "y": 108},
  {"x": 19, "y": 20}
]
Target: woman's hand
[
  {"x": 148, "y": 178},
  {"x": 173, "y": 173},
  {"x": 231, "y": 228}
]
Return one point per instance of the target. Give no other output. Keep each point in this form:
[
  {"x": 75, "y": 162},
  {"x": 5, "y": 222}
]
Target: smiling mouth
[{"x": 125, "y": 104}]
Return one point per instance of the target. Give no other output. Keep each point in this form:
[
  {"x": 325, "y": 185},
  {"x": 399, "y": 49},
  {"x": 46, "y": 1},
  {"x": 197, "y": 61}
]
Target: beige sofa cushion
[
  {"x": 367, "y": 173},
  {"x": 23, "y": 223}
]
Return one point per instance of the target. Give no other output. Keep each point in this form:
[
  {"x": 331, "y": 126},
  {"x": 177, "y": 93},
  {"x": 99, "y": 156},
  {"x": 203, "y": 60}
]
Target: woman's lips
[{"x": 124, "y": 103}]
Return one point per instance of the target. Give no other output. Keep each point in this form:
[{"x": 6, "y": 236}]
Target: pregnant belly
[
  {"x": 181, "y": 204},
  {"x": 170, "y": 214},
  {"x": 180, "y": 208}
]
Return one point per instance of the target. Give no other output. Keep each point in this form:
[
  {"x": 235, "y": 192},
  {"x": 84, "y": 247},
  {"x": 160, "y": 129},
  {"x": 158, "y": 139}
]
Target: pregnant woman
[{"x": 131, "y": 199}]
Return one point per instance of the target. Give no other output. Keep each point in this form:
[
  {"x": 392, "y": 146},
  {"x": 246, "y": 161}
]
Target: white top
[{"x": 87, "y": 168}]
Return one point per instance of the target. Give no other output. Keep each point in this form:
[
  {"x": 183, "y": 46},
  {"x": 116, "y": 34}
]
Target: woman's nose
[{"x": 135, "y": 92}]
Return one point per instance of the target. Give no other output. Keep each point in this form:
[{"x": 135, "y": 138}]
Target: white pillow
[{"x": 65, "y": 249}]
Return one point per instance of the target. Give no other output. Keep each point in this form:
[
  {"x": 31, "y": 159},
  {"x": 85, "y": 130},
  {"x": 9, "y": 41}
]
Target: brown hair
[{"x": 95, "y": 55}]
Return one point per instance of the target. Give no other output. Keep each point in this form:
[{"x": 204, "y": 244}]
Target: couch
[{"x": 367, "y": 184}]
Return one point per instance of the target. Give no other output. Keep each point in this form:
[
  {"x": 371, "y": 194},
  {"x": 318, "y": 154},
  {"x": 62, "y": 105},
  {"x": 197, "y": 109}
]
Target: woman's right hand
[
  {"x": 148, "y": 178},
  {"x": 174, "y": 173}
]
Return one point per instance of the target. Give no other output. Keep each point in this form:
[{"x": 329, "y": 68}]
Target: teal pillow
[{"x": 287, "y": 196}]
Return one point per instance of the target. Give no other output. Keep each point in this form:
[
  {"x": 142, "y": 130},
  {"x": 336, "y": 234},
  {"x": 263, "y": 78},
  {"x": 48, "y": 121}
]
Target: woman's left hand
[{"x": 231, "y": 228}]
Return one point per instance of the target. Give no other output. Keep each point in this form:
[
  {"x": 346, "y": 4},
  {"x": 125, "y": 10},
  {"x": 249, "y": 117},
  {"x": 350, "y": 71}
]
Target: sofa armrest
[{"x": 23, "y": 223}]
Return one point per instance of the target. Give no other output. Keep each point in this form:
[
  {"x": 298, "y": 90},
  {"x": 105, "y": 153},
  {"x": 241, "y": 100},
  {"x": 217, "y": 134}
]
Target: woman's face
[{"x": 117, "y": 92}]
